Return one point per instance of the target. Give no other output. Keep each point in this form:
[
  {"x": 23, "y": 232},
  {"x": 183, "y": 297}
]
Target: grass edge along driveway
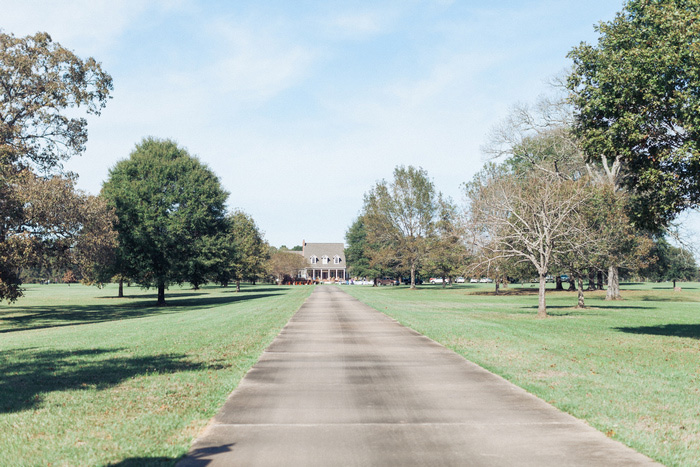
[
  {"x": 89, "y": 379},
  {"x": 628, "y": 368}
]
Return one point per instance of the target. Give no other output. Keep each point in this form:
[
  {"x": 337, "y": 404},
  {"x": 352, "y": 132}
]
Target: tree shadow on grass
[
  {"x": 22, "y": 318},
  {"x": 656, "y": 298},
  {"x": 509, "y": 292},
  {"x": 674, "y": 330},
  {"x": 153, "y": 296},
  {"x": 254, "y": 289},
  {"x": 194, "y": 458},
  {"x": 27, "y": 375},
  {"x": 147, "y": 462},
  {"x": 561, "y": 310},
  {"x": 589, "y": 310}
]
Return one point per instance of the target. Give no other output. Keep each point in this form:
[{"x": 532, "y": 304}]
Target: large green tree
[
  {"x": 358, "y": 254},
  {"x": 637, "y": 95},
  {"x": 171, "y": 215},
  {"x": 400, "y": 217}
]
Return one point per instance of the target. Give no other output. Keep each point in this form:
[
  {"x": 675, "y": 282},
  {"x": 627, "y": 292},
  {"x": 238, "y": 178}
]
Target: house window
[
  {"x": 336, "y": 259},
  {"x": 313, "y": 259},
  {"x": 325, "y": 259}
]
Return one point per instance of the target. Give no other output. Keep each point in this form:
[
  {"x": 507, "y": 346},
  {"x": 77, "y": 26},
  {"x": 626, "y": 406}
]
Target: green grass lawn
[
  {"x": 89, "y": 379},
  {"x": 630, "y": 368}
]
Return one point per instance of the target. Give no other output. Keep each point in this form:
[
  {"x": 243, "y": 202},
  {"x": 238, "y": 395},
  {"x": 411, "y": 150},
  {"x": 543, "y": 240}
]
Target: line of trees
[
  {"x": 161, "y": 218},
  {"x": 172, "y": 223},
  {"x": 586, "y": 184}
]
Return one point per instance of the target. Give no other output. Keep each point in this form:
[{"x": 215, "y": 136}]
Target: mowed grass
[
  {"x": 89, "y": 379},
  {"x": 629, "y": 368}
]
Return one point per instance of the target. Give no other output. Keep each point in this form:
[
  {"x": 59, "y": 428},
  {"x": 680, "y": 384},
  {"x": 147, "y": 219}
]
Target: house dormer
[
  {"x": 325, "y": 259},
  {"x": 336, "y": 259},
  {"x": 313, "y": 259}
]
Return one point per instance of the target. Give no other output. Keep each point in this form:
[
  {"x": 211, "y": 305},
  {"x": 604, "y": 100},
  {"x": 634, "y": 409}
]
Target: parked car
[
  {"x": 387, "y": 281},
  {"x": 564, "y": 278},
  {"x": 473, "y": 280},
  {"x": 460, "y": 280},
  {"x": 485, "y": 280}
]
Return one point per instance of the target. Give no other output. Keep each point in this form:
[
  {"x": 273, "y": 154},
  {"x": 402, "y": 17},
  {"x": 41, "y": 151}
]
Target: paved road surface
[{"x": 345, "y": 385}]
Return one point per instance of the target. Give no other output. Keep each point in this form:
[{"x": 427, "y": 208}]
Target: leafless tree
[{"x": 532, "y": 216}]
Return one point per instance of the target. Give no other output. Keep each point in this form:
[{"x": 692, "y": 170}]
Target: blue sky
[{"x": 300, "y": 107}]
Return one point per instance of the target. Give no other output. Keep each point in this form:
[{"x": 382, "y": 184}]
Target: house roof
[{"x": 327, "y": 249}]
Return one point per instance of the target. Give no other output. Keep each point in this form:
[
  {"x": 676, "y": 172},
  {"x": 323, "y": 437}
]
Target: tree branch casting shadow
[
  {"x": 26, "y": 375},
  {"x": 22, "y": 318},
  {"x": 674, "y": 330}
]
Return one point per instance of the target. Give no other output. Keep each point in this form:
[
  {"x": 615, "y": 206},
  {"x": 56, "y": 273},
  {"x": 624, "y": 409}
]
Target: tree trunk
[
  {"x": 581, "y": 302},
  {"x": 591, "y": 280},
  {"x": 444, "y": 282},
  {"x": 498, "y": 283},
  {"x": 613, "y": 284},
  {"x": 599, "y": 284},
  {"x": 120, "y": 294},
  {"x": 542, "y": 307},
  {"x": 413, "y": 276},
  {"x": 559, "y": 286},
  {"x": 375, "y": 282},
  {"x": 238, "y": 285},
  {"x": 161, "y": 294},
  {"x": 674, "y": 284},
  {"x": 572, "y": 283}
]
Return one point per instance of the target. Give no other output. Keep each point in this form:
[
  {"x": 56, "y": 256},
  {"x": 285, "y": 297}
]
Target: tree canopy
[
  {"x": 400, "y": 217},
  {"x": 285, "y": 263},
  {"x": 672, "y": 263},
  {"x": 171, "y": 215},
  {"x": 40, "y": 79},
  {"x": 358, "y": 254},
  {"x": 530, "y": 217},
  {"x": 637, "y": 95},
  {"x": 41, "y": 84},
  {"x": 249, "y": 251}
]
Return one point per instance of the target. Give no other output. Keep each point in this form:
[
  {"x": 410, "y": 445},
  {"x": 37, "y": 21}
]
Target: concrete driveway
[{"x": 345, "y": 385}]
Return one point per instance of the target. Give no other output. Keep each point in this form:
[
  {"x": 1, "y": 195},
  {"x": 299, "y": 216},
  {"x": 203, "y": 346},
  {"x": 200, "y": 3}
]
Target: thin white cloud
[
  {"x": 88, "y": 23},
  {"x": 357, "y": 25},
  {"x": 301, "y": 107},
  {"x": 255, "y": 63}
]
